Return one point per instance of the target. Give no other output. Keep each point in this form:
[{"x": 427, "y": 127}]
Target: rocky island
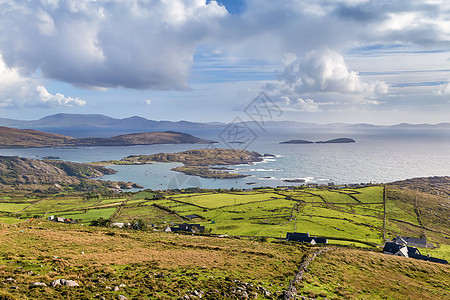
[
  {"x": 27, "y": 138},
  {"x": 332, "y": 141},
  {"x": 197, "y": 162}
]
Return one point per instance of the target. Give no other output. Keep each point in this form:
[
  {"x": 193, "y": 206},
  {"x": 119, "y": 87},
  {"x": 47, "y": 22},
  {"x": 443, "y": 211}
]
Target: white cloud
[
  {"x": 324, "y": 71},
  {"x": 107, "y": 43},
  {"x": 444, "y": 89},
  {"x": 19, "y": 91},
  {"x": 306, "y": 105},
  {"x": 148, "y": 101}
]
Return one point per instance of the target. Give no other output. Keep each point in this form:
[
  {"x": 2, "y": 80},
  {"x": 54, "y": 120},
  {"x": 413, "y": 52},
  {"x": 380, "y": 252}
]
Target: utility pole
[{"x": 384, "y": 213}]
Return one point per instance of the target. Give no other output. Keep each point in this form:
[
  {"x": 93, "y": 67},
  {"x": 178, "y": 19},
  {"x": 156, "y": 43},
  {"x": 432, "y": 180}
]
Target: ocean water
[{"x": 377, "y": 157}]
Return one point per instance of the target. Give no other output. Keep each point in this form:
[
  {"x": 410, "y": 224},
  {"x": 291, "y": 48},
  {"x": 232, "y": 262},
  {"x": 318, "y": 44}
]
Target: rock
[
  {"x": 10, "y": 280},
  {"x": 116, "y": 289},
  {"x": 122, "y": 297},
  {"x": 38, "y": 284},
  {"x": 64, "y": 282}
]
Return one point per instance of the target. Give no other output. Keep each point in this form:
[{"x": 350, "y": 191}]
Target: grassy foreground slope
[
  {"x": 356, "y": 274},
  {"x": 153, "y": 265},
  {"x": 148, "y": 265}
]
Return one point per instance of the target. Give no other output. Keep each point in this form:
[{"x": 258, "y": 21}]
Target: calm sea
[{"x": 375, "y": 157}]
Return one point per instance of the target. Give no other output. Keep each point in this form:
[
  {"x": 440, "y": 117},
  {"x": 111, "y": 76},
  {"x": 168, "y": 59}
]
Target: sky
[{"x": 321, "y": 61}]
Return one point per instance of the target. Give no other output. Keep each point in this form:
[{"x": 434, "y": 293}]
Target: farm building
[
  {"x": 305, "y": 238},
  {"x": 195, "y": 228},
  {"x": 395, "y": 249},
  {"x": 61, "y": 220},
  {"x": 409, "y": 252},
  {"x": 410, "y": 241},
  {"x": 121, "y": 225}
]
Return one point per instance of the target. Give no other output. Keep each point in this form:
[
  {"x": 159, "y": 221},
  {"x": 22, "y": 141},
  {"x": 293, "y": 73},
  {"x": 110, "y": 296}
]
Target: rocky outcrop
[
  {"x": 20, "y": 170},
  {"x": 65, "y": 282}
]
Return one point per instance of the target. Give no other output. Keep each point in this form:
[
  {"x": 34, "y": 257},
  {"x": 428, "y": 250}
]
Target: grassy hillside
[
  {"x": 250, "y": 262},
  {"x": 356, "y": 274},
  {"x": 420, "y": 207},
  {"x": 345, "y": 216}
]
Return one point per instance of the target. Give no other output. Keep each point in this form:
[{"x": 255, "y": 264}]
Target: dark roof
[
  {"x": 188, "y": 227},
  {"x": 438, "y": 260},
  {"x": 429, "y": 258},
  {"x": 392, "y": 247},
  {"x": 411, "y": 240},
  {"x": 413, "y": 251},
  {"x": 192, "y": 216},
  {"x": 297, "y": 236},
  {"x": 321, "y": 240},
  {"x": 304, "y": 238}
]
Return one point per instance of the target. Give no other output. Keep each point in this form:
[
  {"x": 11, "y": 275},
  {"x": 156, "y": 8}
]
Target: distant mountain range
[
  {"x": 96, "y": 121},
  {"x": 87, "y": 125}
]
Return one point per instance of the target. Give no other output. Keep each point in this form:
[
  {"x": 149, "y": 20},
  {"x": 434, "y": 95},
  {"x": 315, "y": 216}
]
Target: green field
[
  {"x": 216, "y": 200},
  {"x": 13, "y": 207},
  {"x": 243, "y": 229},
  {"x": 89, "y": 214},
  {"x": 348, "y": 215}
]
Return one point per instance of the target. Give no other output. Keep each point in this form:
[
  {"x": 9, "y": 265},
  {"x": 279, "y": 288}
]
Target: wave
[{"x": 258, "y": 170}]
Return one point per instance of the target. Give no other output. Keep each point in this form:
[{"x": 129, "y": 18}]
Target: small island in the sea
[
  {"x": 332, "y": 141},
  {"x": 297, "y": 142},
  {"x": 199, "y": 162}
]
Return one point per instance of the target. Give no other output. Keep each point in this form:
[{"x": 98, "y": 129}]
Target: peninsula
[
  {"x": 28, "y": 138},
  {"x": 197, "y": 162},
  {"x": 52, "y": 176}
]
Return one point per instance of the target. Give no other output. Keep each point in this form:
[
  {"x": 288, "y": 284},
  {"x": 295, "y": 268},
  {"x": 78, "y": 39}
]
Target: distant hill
[
  {"x": 24, "y": 138},
  {"x": 27, "y": 138},
  {"x": 147, "y": 138}
]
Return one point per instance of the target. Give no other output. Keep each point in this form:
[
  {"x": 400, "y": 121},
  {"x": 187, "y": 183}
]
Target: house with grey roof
[{"x": 410, "y": 241}]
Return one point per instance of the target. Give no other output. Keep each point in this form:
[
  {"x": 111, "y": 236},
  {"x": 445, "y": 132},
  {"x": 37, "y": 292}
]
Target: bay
[{"x": 373, "y": 158}]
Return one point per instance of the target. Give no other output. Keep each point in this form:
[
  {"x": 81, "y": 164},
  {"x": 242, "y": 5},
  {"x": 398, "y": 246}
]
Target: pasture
[{"x": 344, "y": 216}]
